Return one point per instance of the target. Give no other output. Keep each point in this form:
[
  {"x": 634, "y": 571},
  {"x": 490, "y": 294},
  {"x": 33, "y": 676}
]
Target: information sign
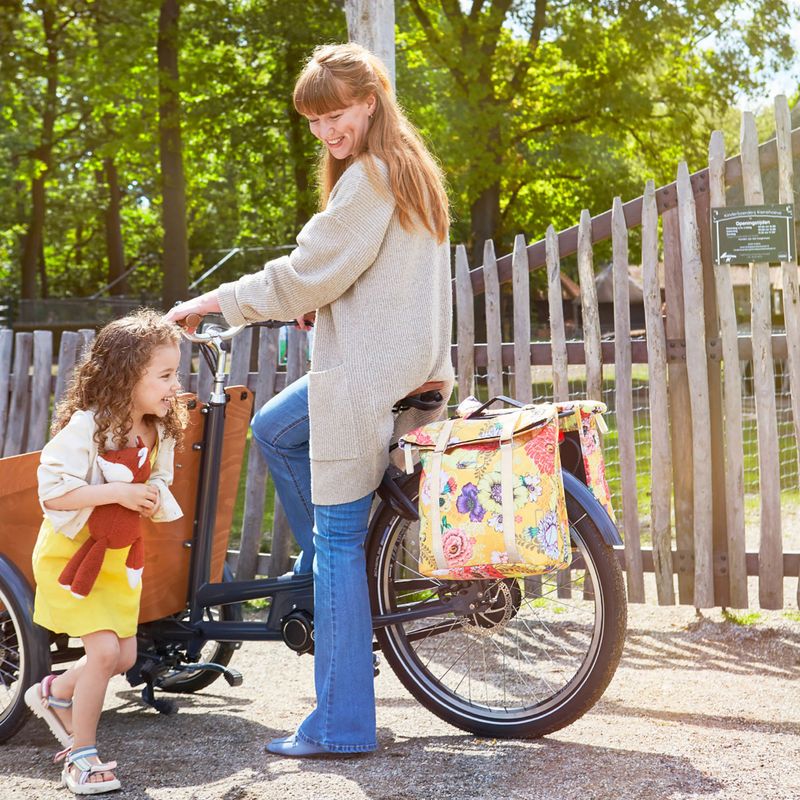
[{"x": 753, "y": 234}]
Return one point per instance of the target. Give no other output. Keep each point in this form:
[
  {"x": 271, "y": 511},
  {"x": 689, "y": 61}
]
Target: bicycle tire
[
  {"x": 24, "y": 649},
  {"x": 534, "y": 664}
]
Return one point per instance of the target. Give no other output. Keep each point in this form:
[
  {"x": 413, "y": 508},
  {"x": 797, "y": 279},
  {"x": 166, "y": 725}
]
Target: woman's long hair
[
  {"x": 337, "y": 76},
  {"x": 104, "y": 381}
]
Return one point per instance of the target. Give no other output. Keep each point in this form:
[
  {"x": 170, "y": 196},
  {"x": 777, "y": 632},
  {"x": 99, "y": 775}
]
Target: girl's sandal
[
  {"x": 83, "y": 784},
  {"x": 41, "y": 702}
]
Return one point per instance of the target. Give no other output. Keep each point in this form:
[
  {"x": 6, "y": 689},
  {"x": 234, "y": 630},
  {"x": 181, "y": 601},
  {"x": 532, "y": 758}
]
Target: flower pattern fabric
[{"x": 472, "y": 537}]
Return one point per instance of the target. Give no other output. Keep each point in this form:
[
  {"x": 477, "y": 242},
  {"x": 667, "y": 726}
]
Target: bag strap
[
  {"x": 435, "y": 478},
  {"x": 502, "y": 398},
  {"x": 507, "y": 486}
]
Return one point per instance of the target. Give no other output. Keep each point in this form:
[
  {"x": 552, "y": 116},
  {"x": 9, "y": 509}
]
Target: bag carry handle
[{"x": 507, "y": 400}]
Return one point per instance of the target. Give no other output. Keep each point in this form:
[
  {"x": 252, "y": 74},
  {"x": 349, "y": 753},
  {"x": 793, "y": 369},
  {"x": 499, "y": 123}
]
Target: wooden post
[
  {"x": 256, "y": 482},
  {"x": 695, "y": 332},
  {"x": 624, "y": 397},
  {"x": 67, "y": 356},
  {"x": 523, "y": 389},
  {"x": 465, "y": 326},
  {"x": 770, "y": 554},
  {"x": 6, "y": 348},
  {"x": 680, "y": 418},
  {"x": 494, "y": 330},
  {"x": 18, "y": 409},
  {"x": 558, "y": 339},
  {"x": 591, "y": 315},
  {"x": 241, "y": 347},
  {"x": 660, "y": 456},
  {"x": 734, "y": 438},
  {"x": 40, "y": 390},
  {"x": 791, "y": 293}
]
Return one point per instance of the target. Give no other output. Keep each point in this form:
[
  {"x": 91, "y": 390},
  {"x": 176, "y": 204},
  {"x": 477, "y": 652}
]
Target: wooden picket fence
[{"x": 693, "y": 351}]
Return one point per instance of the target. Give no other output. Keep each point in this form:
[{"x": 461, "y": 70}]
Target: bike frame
[{"x": 288, "y": 592}]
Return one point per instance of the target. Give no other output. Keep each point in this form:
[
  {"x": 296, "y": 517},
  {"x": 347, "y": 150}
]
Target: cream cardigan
[
  {"x": 69, "y": 460},
  {"x": 383, "y": 326}
]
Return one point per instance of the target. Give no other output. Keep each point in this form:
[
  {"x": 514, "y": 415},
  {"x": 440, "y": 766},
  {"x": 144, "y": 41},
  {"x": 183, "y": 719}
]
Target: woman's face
[{"x": 342, "y": 130}]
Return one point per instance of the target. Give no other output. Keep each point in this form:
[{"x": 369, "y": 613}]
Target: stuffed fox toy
[{"x": 111, "y": 526}]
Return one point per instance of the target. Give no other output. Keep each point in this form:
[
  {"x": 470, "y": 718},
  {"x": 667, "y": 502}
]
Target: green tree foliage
[
  {"x": 536, "y": 108},
  {"x": 539, "y": 108}
]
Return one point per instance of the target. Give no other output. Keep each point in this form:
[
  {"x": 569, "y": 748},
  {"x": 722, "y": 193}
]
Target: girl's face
[
  {"x": 343, "y": 130},
  {"x": 155, "y": 390}
]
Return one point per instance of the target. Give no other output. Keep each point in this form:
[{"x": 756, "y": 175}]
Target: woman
[{"x": 374, "y": 264}]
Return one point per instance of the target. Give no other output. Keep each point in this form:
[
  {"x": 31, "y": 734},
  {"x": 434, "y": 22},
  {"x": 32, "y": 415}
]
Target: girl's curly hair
[{"x": 105, "y": 379}]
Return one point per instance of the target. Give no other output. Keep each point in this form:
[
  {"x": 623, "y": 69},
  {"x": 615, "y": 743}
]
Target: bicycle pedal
[{"x": 233, "y": 676}]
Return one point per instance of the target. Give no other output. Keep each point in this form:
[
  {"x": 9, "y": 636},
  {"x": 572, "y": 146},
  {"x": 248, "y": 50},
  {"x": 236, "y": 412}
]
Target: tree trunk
[
  {"x": 484, "y": 216},
  {"x": 371, "y": 24},
  {"x": 115, "y": 249},
  {"x": 173, "y": 184},
  {"x": 33, "y": 251}
]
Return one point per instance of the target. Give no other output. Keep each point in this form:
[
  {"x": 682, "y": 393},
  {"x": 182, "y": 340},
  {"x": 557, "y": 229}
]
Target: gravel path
[{"x": 699, "y": 708}]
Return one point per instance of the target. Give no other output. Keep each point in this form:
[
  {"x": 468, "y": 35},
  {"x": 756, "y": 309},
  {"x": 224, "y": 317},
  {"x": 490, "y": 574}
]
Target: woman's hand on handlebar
[
  {"x": 204, "y": 304},
  {"x": 304, "y": 323}
]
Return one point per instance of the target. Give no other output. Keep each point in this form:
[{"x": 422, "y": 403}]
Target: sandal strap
[
  {"x": 48, "y": 699},
  {"x": 80, "y": 759}
]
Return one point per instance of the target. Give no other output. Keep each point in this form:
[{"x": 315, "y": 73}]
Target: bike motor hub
[{"x": 297, "y": 628}]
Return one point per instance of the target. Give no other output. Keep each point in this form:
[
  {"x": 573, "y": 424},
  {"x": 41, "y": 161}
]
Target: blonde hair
[
  {"x": 339, "y": 75},
  {"x": 105, "y": 379}
]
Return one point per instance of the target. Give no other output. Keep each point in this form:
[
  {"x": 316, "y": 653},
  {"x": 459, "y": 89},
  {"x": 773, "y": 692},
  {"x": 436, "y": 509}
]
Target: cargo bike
[{"x": 498, "y": 658}]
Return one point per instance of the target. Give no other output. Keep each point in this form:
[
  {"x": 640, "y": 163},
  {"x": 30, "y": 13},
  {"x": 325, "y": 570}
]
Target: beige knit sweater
[{"x": 383, "y": 327}]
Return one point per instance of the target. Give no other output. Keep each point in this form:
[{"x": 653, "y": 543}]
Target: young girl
[{"x": 123, "y": 395}]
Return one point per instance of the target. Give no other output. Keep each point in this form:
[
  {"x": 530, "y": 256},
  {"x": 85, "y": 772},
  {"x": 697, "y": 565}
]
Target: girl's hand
[
  {"x": 204, "y": 304},
  {"x": 302, "y": 322},
  {"x": 157, "y": 505},
  {"x": 141, "y": 497}
]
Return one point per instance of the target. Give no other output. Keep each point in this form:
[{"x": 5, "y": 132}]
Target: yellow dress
[{"x": 112, "y": 605}]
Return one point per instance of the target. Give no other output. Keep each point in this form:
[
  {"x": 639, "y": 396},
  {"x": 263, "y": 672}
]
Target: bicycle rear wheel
[{"x": 532, "y": 663}]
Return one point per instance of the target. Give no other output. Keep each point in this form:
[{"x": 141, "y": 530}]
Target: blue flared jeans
[{"x": 332, "y": 541}]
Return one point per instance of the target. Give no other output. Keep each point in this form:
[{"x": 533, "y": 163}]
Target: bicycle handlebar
[{"x": 217, "y": 332}]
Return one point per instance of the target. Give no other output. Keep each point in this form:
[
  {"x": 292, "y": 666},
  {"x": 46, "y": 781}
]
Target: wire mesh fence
[{"x": 789, "y": 475}]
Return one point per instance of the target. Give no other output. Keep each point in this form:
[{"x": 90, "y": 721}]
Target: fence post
[
  {"x": 591, "y": 317},
  {"x": 660, "y": 458},
  {"x": 523, "y": 390},
  {"x": 494, "y": 329},
  {"x": 791, "y": 293},
  {"x": 6, "y": 347},
  {"x": 770, "y": 554},
  {"x": 40, "y": 390},
  {"x": 465, "y": 326},
  {"x": 624, "y": 399},
  {"x": 19, "y": 407},
  {"x": 697, "y": 367},
  {"x": 734, "y": 438},
  {"x": 680, "y": 420},
  {"x": 558, "y": 339}
]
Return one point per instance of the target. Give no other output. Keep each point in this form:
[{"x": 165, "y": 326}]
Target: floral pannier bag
[
  {"x": 586, "y": 423},
  {"x": 491, "y": 496}
]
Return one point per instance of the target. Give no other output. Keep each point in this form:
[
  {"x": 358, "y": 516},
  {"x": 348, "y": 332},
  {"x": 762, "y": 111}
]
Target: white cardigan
[
  {"x": 69, "y": 461},
  {"x": 384, "y": 312}
]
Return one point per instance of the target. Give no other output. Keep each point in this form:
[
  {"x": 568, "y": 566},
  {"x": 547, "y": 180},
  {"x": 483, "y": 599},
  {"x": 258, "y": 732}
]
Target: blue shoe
[{"x": 293, "y": 747}]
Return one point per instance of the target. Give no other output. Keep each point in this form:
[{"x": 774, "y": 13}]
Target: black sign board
[{"x": 753, "y": 234}]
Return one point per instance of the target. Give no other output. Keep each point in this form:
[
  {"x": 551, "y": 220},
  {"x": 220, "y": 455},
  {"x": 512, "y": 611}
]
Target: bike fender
[{"x": 598, "y": 514}]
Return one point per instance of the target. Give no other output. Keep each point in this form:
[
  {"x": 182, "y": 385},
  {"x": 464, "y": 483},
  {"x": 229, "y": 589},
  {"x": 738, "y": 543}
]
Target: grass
[
  {"x": 741, "y": 617},
  {"x": 794, "y": 616}
]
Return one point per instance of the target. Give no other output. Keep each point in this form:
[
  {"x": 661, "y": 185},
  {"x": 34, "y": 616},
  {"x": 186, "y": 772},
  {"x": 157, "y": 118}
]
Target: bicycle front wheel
[{"x": 533, "y": 662}]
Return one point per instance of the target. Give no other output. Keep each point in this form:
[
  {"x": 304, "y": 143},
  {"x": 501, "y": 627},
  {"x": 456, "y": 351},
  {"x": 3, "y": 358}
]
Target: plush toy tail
[
  {"x": 134, "y": 563},
  {"x": 88, "y": 569},
  {"x": 67, "y": 576}
]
